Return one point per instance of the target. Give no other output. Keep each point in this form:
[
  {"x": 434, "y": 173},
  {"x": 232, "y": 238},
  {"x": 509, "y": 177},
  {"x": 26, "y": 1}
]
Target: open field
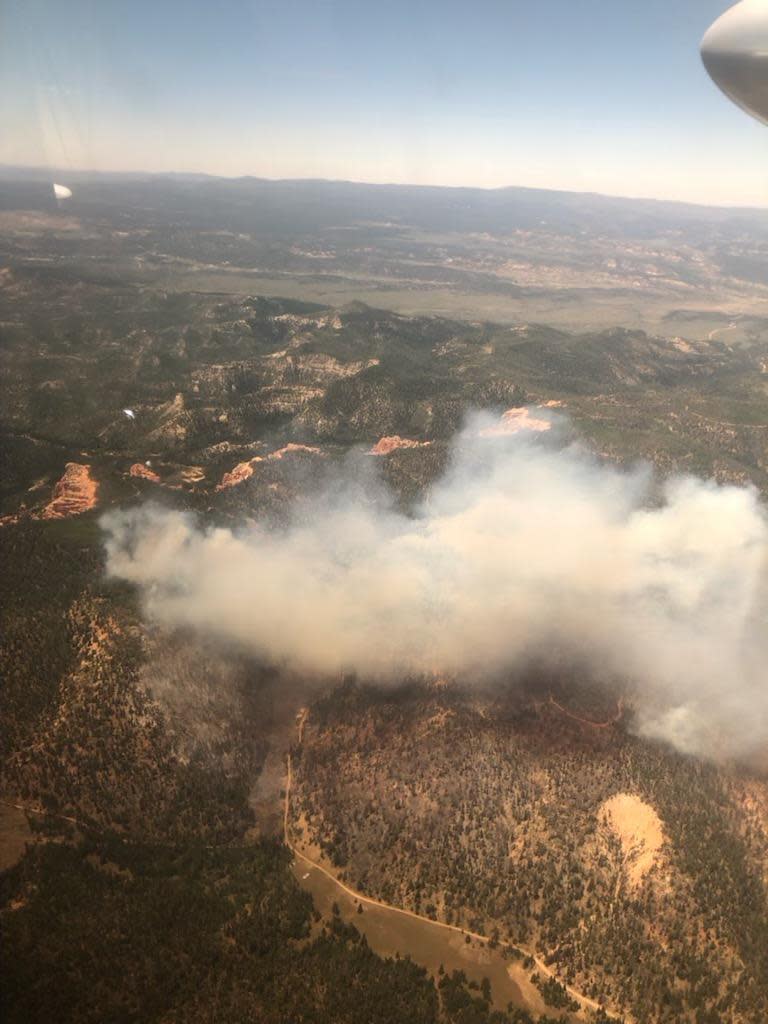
[
  {"x": 581, "y": 262},
  {"x": 390, "y": 933}
]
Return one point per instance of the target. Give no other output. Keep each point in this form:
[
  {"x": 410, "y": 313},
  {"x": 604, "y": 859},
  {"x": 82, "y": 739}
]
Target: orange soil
[
  {"x": 74, "y": 494},
  {"x": 243, "y": 470},
  {"x": 138, "y": 469},
  {"x": 638, "y": 828},
  {"x": 390, "y": 444},
  {"x": 289, "y": 448}
]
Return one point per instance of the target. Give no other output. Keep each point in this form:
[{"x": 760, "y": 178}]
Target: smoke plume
[{"x": 527, "y": 547}]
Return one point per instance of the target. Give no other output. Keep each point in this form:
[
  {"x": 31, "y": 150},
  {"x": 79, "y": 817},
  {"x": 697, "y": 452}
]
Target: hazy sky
[{"x": 602, "y": 95}]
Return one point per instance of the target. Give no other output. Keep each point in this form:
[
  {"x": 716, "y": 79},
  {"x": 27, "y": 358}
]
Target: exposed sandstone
[
  {"x": 515, "y": 421},
  {"x": 385, "y": 445},
  {"x": 74, "y": 493},
  {"x": 138, "y": 469},
  {"x": 292, "y": 448},
  {"x": 241, "y": 472},
  {"x": 244, "y": 470}
]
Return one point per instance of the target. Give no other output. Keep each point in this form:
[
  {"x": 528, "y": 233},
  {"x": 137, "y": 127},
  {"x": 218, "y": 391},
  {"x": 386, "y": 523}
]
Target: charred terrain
[{"x": 158, "y": 346}]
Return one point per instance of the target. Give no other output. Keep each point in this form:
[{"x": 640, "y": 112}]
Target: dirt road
[
  {"x": 584, "y": 1001},
  {"x": 613, "y": 720}
]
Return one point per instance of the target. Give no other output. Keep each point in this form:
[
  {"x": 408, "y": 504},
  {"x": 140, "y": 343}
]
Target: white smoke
[{"x": 523, "y": 548}]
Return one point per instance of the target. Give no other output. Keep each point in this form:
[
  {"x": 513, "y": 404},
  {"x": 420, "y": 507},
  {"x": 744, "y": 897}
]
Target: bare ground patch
[{"x": 638, "y": 828}]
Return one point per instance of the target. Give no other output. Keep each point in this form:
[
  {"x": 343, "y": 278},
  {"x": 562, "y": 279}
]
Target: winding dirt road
[
  {"x": 613, "y": 720},
  {"x": 584, "y": 1001}
]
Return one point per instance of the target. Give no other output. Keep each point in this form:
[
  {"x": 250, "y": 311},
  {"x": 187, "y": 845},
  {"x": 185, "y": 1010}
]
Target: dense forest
[
  {"x": 143, "y": 894},
  {"x": 100, "y": 930},
  {"x": 502, "y": 830}
]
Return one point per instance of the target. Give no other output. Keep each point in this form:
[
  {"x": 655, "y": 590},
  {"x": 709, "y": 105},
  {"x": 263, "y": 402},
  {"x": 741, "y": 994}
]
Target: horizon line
[{"x": 49, "y": 171}]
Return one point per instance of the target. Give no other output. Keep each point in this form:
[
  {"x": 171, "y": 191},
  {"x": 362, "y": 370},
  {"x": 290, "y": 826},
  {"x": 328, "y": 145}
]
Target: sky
[{"x": 585, "y": 95}]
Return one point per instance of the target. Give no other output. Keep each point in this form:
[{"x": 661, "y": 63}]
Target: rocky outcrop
[
  {"x": 385, "y": 445},
  {"x": 190, "y": 476},
  {"x": 515, "y": 421},
  {"x": 142, "y": 472},
  {"x": 315, "y": 367},
  {"x": 244, "y": 470},
  {"x": 293, "y": 448},
  {"x": 170, "y": 422},
  {"x": 74, "y": 494}
]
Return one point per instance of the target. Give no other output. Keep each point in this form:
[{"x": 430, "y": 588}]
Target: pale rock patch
[{"x": 515, "y": 421}]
